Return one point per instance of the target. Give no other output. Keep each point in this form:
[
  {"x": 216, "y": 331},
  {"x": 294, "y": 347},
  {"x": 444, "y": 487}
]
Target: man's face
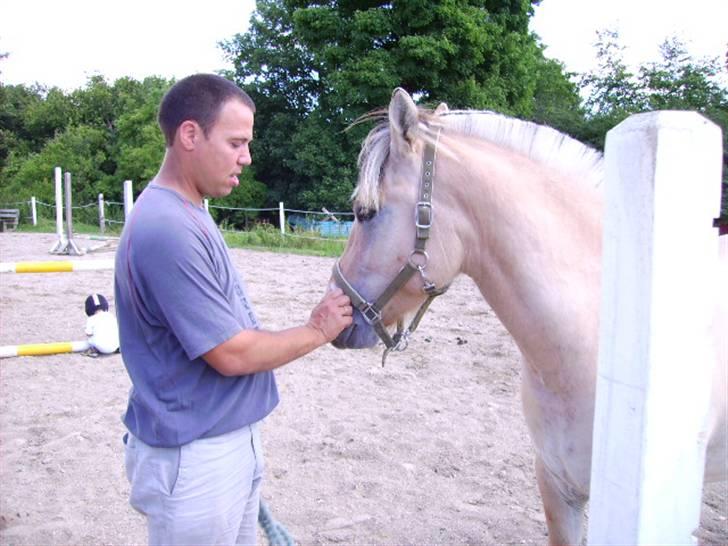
[{"x": 225, "y": 151}]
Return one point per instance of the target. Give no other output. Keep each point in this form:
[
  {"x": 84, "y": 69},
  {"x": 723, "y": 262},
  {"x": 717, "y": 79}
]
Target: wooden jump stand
[{"x": 65, "y": 244}]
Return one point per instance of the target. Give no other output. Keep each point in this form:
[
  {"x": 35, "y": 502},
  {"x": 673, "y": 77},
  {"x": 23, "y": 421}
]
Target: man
[{"x": 199, "y": 363}]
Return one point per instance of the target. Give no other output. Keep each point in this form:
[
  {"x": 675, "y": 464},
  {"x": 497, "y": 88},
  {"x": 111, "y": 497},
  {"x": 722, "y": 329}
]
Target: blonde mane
[{"x": 540, "y": 143}]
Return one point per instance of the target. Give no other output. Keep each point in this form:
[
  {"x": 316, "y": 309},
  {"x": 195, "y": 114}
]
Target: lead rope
[{"x": 276, "y": 533}]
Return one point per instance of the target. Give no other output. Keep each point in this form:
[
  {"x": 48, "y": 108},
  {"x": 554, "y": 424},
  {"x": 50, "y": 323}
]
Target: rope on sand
[{"x": 276, "y": 533}]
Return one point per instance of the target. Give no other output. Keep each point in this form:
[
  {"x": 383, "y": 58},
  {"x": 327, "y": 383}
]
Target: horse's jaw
[{"x": 360, "y": 335}]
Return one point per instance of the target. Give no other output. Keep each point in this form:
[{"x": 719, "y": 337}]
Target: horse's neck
[{"x": 534, "y": 249}]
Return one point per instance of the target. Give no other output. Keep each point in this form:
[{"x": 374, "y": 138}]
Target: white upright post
[
  {"x": 206, "y": 204},
  {"x": 33, "y": 211},
  {"x": 70, "y": 246},
  {"x": 60, "y": 245},
  {"x": 128, "y": 198},
  {"x": 663, "y": 177},
  {"x": 282, "y": 217},
  {"x": 102, "y": 214}
]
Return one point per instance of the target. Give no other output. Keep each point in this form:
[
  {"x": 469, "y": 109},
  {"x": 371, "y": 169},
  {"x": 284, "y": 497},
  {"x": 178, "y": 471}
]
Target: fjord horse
[{"x": 518, "y": 208}]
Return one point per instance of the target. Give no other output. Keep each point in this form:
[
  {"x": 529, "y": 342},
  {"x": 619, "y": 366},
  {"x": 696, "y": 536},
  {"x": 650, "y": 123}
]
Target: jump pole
[
  {"x": 38, "y": 349},
  {"x": 57, "y": 266},
  {"x": 659, "y": 280}
]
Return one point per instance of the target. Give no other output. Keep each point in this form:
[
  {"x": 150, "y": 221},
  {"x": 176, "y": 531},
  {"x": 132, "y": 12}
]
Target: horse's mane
[{"x": 542, "y": 144}]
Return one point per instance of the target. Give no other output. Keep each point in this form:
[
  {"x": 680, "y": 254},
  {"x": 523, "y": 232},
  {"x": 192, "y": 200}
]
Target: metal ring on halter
[{"x": 424, "y": 255}]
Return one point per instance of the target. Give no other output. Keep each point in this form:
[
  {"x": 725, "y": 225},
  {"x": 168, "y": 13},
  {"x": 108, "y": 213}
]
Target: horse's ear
[
  {"x": 441, "y": 109},
  {"x": 403, "y": 120}
]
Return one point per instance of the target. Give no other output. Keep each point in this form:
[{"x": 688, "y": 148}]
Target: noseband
[{"x": 416, "y": 263}]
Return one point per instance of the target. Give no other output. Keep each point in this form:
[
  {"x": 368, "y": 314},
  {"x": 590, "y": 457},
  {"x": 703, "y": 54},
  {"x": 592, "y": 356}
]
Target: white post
[
  {"x": 60, "y": 245},
  {"x": 70, "y": 246},
  {"x": 59, "y": 206},
  {"x": 59, "y": 203},
  {"x": 282, "y": 217},
  {"x": 102, "y": 214},
  {"x": 206, "y": 203},
  {"x": 663, "y": 176},
  {"x": 128, "y": 198},
  {"x": 33, "y": 211}
]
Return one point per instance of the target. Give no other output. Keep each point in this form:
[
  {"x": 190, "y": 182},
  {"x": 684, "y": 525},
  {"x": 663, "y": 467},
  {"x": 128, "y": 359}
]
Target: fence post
[
  {"x": 282, "y": 217},
  {"x": 206, "y": 203},
  {"x": 128, "y": 198},
  {"x": 102, "y": 214},
  {"x": 663, "y": 177},
  {"x": 33, "y": 211}
]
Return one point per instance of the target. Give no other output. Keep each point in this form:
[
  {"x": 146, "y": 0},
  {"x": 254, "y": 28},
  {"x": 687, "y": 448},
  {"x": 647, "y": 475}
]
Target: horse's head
[{"x": 401, "y": 247}]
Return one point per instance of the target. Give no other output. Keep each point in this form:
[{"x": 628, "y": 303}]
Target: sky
[{"x": 63, "y": 42}]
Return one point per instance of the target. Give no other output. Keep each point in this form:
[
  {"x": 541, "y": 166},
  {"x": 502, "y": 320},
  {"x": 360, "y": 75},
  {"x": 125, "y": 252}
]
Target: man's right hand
[{"x": 332, "y": 314}]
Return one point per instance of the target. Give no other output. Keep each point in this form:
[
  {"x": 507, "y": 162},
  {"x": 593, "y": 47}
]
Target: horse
[{"x": 517, "y": 207}]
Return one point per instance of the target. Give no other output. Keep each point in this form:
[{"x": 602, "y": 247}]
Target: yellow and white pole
[
  {"x": 37, "y": 349},
  {"x": 56, "y": 266}
]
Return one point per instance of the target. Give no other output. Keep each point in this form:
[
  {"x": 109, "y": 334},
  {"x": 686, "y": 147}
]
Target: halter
[{"x": 416, "y": 263}]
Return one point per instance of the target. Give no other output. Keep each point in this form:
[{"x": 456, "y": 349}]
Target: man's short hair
[{"x": 197, "y": 98}]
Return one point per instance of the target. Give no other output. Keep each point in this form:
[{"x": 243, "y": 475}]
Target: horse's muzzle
[{"x": 360, "y": 335}]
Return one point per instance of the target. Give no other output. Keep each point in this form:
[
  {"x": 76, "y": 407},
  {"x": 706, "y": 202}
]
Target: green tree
[
  {"x": 315, "y": 67},
  {"x": 676, "y": 82}
]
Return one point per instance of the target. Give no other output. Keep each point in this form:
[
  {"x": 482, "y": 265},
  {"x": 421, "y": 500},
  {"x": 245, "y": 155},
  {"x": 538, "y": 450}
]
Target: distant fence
[{"x": 112, "y": 214}]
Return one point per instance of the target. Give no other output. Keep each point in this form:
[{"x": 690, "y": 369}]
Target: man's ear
[{"x": 188, "y": 134}]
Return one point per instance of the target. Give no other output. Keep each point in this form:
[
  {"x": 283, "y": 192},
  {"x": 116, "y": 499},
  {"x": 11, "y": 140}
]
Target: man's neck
[{"x": 173, "y": 177}]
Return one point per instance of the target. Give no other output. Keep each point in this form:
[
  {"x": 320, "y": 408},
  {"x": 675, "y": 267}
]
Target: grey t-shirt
[{"x": 177, "y": 297}]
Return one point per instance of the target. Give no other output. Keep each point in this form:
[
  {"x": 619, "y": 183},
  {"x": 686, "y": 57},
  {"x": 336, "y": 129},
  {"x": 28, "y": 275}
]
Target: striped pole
[
  {"x": 57, "y": 266},
  {"x": 37, "y": 349}
]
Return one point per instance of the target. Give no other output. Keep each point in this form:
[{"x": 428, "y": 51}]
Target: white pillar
[
  {"x": 663, "y": 177},
  {"x": 33, "y": 211},
  {"x": 59, "y": 205},
  {"x": 102, "y": 214},
  {"x": 128, "y": 198},
  {"x": 206, "y": 204},
  {"x": 282, "y": 217}
]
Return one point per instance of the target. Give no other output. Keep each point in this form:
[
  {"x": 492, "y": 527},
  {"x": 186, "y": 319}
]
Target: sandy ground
[{"x": 431, "y": 449}]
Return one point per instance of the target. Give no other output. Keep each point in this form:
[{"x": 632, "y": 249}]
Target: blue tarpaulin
[{"x": 326, "y": 228}]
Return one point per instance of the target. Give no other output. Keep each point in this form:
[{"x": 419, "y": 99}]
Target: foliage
[
  {"x": 267, "y": 237},
  {"x": 102, "y": 134},
  {"x": 313, "y": 68},
  {"x": 676, "y": 82}
]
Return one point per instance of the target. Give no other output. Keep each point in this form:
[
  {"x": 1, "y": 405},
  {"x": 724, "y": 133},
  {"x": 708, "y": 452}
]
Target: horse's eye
[{"x": 364, "y": 213}]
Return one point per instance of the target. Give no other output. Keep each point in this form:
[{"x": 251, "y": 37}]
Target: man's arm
[{"x": 253, "y": 351}]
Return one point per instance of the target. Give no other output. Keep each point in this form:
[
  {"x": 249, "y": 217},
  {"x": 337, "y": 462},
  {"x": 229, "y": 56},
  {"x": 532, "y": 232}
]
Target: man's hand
[{"x": 331, "y": 315}]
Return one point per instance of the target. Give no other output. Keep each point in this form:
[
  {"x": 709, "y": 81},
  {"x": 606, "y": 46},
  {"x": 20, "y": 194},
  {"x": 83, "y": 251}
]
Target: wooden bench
[{"x": 9, "y": 219}]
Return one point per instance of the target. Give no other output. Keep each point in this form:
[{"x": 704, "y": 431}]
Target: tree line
[{"x": 314, "y": 68}]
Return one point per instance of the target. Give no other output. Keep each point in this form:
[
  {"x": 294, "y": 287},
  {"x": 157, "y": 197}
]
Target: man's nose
[{"x": 244, "y": 158}]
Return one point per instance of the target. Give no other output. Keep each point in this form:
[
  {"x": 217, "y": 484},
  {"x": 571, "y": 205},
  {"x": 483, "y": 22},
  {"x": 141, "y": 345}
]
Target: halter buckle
[
  {"x": 371, "y": 314},
  {"x": 423, "y": 215}
]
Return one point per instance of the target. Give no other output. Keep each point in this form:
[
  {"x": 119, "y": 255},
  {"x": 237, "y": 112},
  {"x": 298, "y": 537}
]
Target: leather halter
[{"x": 416, "y": 263}]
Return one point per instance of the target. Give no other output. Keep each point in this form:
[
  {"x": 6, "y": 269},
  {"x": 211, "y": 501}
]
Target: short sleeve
[{"x": 180, "y": 285}]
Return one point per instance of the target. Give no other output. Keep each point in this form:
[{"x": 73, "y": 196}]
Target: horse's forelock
[
  {"x": 374, "y": 153},
  {"x": 372, "y": 156}
]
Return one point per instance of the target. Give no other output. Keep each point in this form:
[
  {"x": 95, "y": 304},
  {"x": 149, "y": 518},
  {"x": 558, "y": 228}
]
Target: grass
[
  {"x": 267, "y": 237},
  {"x": 262, "y": 237}
]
